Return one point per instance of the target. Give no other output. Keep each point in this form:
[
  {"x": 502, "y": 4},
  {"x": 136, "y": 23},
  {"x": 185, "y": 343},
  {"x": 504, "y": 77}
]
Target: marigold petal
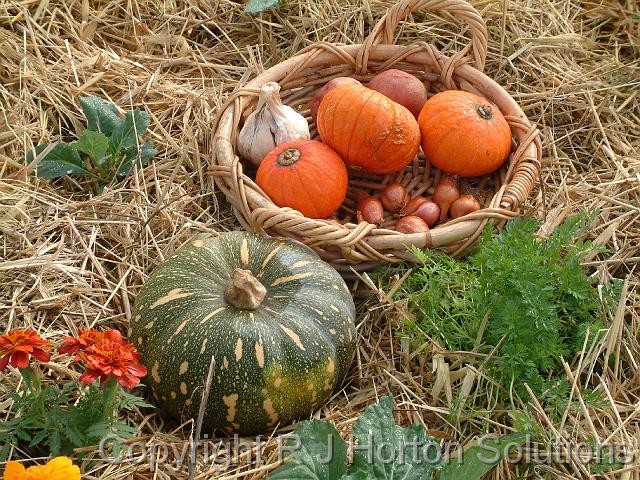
[
  {"x": 62, "y": 468},
  {"x": 89, "y": 376},
  {"x": 19, "y": 360},
  {"x": 14, "y": 471},
  {"x": 113, "y": 336},
  {"x": 137, "y": 370},
  {"x": 4, "y": 361},
  {"x": 40, "y": 355},
  {"x": 128, "y": 381}
]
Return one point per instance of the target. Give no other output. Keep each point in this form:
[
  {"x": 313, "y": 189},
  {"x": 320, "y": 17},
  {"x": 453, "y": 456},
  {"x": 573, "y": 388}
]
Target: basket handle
[{"x": 458, "y": 8}]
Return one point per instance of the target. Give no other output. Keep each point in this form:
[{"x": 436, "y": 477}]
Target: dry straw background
[{"x": 70, "y": 260}]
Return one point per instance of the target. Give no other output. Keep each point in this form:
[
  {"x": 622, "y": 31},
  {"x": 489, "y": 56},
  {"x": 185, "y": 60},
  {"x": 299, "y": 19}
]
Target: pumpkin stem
[
  {"x": 244, "y": 291},
  {"x": 289, "y": 157},
  {"x": 484, "y": 111}
]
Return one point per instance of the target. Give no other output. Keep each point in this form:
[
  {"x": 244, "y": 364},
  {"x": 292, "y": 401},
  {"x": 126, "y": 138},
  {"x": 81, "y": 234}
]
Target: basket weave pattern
[{"x": 343, "y": 241}]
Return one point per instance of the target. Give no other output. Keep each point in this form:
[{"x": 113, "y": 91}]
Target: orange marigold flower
[
  {"x": 59, "y": 468},
  {"x": 106, "y": 358},
  {"x": 86, "y": 338},
  {"x": 17, "y": 345}
]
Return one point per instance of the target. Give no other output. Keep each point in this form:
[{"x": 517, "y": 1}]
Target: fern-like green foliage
[
  {"x": 58, "y": 421},
  {"x": 527, "y": 295}
]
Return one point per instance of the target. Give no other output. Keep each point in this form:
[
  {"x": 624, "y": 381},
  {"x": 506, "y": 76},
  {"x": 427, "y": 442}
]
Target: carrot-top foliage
[{"x": 523, "y": 299}]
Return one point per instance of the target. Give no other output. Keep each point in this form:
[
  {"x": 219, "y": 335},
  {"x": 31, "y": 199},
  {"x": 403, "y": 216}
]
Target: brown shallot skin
[
  {"x": 370, "y": 210},
  {"x": 402, "y": 88},
  {"x": 413, "y": 204},
  {"x": 425, "y": 208},
  {"x": 411, "y": 224},
  {"x": 429, "y": 211},
  {"x": 394, "y": 197},
  {"x": 464, "y": 205},
  {"x": 445, "y": 193}
]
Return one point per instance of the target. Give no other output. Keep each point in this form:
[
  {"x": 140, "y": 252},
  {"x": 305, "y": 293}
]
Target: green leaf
[
  {"x": 101, "y": 116},
  {"x": 4, "y": 453},
  {"x": 385, "y": 450},
  {"x": 93, "y": 144},
  {"x": 479, "y": 460},
  {"x": 147, "y": 152},
  {"x": 62, "y": 160},
  {"x": 55, "y": 441},
  {"x": 126, "y": 133},
  {"x": 38, "y": 438},
  {"x": 258, "y": 6},
  {"x": 322, "y": 454}
]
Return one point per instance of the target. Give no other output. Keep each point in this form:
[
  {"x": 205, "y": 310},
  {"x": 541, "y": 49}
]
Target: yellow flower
[{"x": 60, "y": 468}]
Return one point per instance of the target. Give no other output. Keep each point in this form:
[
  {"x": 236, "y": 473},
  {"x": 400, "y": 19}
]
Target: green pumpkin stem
[
  {"x": 244, "y": 290},
  {"x": 289, "y": 157},
  {"x": 484, "y": 111}
]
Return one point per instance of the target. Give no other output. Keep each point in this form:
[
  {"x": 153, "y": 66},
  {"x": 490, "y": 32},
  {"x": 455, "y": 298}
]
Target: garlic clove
[{"x": 271, "y": 124}]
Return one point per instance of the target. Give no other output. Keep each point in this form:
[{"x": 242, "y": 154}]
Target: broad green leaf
[
  {"x": 480, "y": 459},
  {"x": 322, "y": 454},
  {"x": 126, "y": 133},
  {"x": 62, "y": 160},
  {"x": 146, "y": 151},
  {"x": 101, "y": 116},
  {"x": 257, "y": 6},
  {"x": 385, "y": 450},
  {"x": 93, "y": 144}
]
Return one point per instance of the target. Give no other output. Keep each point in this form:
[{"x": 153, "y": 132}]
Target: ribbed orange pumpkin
[
  {"x": 367, "y": 129},
  {"x": 464, "y": 134},
  {"x": 305, "y": 175}
]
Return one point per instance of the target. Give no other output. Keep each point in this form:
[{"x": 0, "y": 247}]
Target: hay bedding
[{"x": 70, "y": 260}]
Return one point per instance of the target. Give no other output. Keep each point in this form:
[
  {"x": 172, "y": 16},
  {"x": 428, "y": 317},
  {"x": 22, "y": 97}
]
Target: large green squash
[{"x": 279, "y": 322}]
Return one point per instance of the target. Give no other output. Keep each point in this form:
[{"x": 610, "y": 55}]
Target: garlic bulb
[{"x": 271, "y": 124}]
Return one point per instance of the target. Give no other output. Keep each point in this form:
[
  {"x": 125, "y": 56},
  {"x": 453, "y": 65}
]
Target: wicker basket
[{"x": 341, "y": 240}]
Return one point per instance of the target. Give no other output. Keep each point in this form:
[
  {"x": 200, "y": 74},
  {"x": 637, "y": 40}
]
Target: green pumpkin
[{"x": 279, "y": 322}]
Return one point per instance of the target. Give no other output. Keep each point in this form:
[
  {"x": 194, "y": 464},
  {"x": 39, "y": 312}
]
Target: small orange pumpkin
[
  {"x": 464, "y": 134},
  {"x": 305, "y": 175},
  {"x": 367, "y": 129}
]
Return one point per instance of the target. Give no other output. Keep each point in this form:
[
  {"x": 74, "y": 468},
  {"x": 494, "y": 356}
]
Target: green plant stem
[
  {"x": 31, "y": 379},
  {"x": 109, "y": 393}
]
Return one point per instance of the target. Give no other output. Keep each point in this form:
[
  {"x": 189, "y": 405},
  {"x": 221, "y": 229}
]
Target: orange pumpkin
[
  {"x": 464, "y": 134},
  {"x": 305, "y": 175},
  {"x": 367, "y": 129}
]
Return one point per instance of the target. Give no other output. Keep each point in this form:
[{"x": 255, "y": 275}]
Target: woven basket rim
[{"x": 365, "y": 244}]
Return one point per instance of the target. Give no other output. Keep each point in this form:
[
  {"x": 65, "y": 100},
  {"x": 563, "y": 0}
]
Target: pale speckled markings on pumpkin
[
  {"x": 334, "y": 308},
  {"x": 204, "y": 345},
  {"x": 225, "y": 363},
  {"x": 268, "y": 258},
  {"x": 293, "y": 336},
  {"x": 268, "y": 408},
  {"x": 174, "y": 294},
  {"x": 230, "y": 402},
  {"x": 154, "y": 372},
  {"x": 291, "y": 278},
  {"x": 260, "y": 353},
  {"x": 173, "y": 395},
  {"x": 238, "y": 350},
  {"x": 198, "y": 243},
  {"x": 149, "y": 325},
  {"x": 244, "y": 252},
  {"x": 211, "y": 315},
  {"x": 300, "y": 263},
  {"x": 332, "y": 331},
  {"x": 183, "y": 388},
  {"x": 184, "y": 366}
]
